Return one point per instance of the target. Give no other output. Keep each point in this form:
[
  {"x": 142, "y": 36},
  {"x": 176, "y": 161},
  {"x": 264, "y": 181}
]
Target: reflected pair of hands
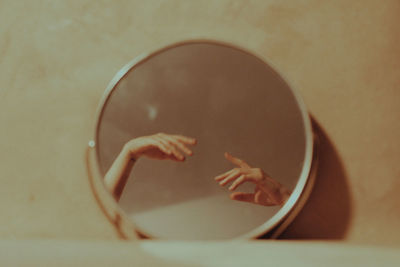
[{"x": 162, "y": 146}]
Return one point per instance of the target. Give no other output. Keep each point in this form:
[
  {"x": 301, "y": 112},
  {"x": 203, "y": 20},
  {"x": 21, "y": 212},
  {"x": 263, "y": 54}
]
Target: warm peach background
[{"x": 57, "y": 57}]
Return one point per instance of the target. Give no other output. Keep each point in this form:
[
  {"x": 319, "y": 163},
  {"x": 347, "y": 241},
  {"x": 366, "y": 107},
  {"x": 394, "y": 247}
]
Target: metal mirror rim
[{"x": 276, "y": 220}]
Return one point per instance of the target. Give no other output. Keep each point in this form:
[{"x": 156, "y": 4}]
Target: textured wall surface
[{"x": 57, "y": 57}]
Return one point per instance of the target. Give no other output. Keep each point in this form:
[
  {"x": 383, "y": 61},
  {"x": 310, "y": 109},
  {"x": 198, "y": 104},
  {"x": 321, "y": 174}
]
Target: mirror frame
[{"x": 272, "y": 228}]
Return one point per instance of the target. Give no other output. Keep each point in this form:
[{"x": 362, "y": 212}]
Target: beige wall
[{"x": 56, "y": 58}]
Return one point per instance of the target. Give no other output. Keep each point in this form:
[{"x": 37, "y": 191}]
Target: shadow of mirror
[{"x": 328, "y": 211}]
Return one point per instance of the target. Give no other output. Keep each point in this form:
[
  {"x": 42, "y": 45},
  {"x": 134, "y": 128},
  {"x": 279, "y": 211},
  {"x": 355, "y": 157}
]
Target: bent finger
[
  {"x": 179, "y": 144},
  {"x": 263, "y": 199},
  {"x": 171, "y": 148},
  {"x": 240, "y": 196}
]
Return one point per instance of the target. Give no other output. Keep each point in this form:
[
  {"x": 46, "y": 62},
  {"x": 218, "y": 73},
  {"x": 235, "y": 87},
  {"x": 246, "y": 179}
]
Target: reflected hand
[
  {"x": 160, "y": 146},
  {"x": 267, "y": 192},
  {"x": 157, "y": 146}
]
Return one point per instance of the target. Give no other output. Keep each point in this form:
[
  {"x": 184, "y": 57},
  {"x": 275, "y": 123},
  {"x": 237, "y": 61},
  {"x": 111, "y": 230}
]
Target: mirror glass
[{"x": 230, "y": 101}]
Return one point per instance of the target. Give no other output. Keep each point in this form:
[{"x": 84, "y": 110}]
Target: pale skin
[
  {"x": 267, "y": 192},
  {"x": 158, "y": 146},
  {"x": 163, "y": 146}
]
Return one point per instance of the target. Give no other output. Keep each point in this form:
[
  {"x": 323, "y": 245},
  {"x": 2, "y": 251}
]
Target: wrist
[{"x": 130, "y": 152}]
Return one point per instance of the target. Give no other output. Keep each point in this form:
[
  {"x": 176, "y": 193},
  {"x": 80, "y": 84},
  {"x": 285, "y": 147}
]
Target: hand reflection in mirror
[
  {"x": 162, "y": 146},
  {"x": 158, "y": 146},
  {"x": 267, "y": 192}
]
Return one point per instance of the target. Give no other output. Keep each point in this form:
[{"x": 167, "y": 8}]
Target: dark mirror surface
[{"x": 230, "y": 101}]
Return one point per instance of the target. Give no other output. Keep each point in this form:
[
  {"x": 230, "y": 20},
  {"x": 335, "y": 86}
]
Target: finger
[
  {"x": 174, "y": 151},
  {"x": 185, "y": 139},
  {"x": 177, "y": 143},
  {"x": 230, "y": 178},
  {"x": 240, "y": 196},
  {"x": 242, "y": 179},
  {"x": 222, "y": 176},
  {"x": 238, "y": 162},
  {"x": 162, "y": 147},
  {"x": 178, "y": 155}
]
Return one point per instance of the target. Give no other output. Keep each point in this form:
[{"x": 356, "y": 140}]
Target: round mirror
[{"x": 228, "y": 100}]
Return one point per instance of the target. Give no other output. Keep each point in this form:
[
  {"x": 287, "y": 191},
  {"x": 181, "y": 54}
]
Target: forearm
[
  {"x": 158, "y": 146},
  {"x": 118, "y": 174}
]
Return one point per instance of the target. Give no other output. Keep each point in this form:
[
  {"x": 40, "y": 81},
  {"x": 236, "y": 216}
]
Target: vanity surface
[{"x": 193, "y": 254}]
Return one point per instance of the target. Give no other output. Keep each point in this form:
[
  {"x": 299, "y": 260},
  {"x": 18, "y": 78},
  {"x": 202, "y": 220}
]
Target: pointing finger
[{"x": 238, "y": 162}]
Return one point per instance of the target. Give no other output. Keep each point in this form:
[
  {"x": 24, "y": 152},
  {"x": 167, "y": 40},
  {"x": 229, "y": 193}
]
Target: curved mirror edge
[
  {"x": 287, "y": 213},
  {"x": 124, "y": 227},
  {"x": 277, "y": 223},
  {"x": 306, "y": 191}
]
